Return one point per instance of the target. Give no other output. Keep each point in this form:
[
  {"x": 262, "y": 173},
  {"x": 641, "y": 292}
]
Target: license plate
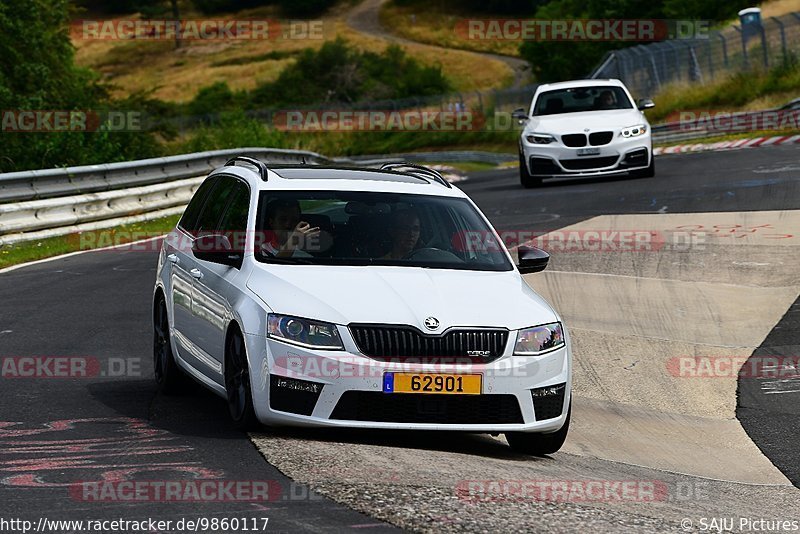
[
  {"x": 588, "y": 151},
  {"x": 447, "y": 384}
]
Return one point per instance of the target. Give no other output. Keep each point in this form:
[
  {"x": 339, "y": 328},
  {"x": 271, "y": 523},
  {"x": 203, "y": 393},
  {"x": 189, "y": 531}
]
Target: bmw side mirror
[
  {"x": 645, "y": 103},
  {"x": 216, "y": 248},
  {"x": 520, "y": 114},
  {"x": 532, "y": 259}
]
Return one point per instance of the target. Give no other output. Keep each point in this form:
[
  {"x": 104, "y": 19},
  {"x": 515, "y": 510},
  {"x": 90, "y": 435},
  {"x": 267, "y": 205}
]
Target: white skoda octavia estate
[{"x": 352, "y": 297}]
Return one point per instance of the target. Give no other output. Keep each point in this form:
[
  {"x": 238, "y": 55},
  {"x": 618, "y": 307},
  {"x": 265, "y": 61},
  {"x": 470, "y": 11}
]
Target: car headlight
[
  {"x": 539, "y": 139},
  {"x": 539, "y": 339},
  {"x": 634, "y": 131},
  {"x": 304, "y": 332}
]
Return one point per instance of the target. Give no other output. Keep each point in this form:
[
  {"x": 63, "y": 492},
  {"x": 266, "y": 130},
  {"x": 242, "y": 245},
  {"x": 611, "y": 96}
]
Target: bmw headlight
[
  {"x": 634, "y": 131},
  {"x": 304, "y": 332},
  {"x": 539, "y": 339},
  {"x": 539, "y": 138}
]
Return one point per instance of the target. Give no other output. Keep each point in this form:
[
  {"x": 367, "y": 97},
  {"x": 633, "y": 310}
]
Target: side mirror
[
  {"x": 217, "y": 248},
  {"x": 532, "y": 259},
  {"x": 520, "y": 114},
  {"x": 645, "y": 103}
]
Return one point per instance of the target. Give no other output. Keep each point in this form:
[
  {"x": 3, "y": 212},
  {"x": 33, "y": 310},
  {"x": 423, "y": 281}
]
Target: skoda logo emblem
[{"x": 431, "y": 323}]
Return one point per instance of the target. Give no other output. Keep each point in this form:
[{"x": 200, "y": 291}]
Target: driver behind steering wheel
[{"x": 404, "y": 231}]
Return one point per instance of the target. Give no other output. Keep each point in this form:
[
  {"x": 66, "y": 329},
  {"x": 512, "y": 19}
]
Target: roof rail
[
  {"x": 417, "y": 170},
  {"x": 260, "y": 165}
]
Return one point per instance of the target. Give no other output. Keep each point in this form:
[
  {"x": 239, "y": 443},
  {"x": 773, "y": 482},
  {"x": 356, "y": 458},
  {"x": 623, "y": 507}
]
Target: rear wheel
[
  {"x": 237, "y": 383},
  {"x": 526, "y": 179},
  {"x": 169, "y": 377},
  {"x": 537, "y": 444}
]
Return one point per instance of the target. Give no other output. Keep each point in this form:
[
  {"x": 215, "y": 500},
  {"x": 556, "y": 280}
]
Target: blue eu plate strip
[{"x": 388, "y": 382}]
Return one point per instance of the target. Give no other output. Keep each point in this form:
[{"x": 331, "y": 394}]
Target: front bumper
[
  {"x": 620, "y": 156},
  {"x": 298, "y": 387}
]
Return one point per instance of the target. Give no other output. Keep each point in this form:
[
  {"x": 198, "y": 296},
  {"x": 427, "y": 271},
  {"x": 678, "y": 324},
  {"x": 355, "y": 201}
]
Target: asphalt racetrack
[{"x": 656, "y": 405}]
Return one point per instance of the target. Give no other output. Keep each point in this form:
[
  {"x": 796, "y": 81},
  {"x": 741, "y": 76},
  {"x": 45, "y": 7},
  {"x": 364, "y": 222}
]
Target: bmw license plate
[
  {"x": 448, "y": 384},
  {"x": 588, "y": 151}
]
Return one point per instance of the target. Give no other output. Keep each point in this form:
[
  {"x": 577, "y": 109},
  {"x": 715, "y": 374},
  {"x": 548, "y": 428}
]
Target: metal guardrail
[
  {"x": 52, "y": 183},
  {"x": 54, "y": 202},
  {"x": 450, "y": 156}
]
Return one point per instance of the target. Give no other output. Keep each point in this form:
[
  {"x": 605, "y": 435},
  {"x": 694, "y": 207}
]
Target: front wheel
[
  {"x": 237, "y": 383},
  {"x": 526, "y": 179},
  {"x": 648, "y": 172},
  {"x": 539, "y": 444}
]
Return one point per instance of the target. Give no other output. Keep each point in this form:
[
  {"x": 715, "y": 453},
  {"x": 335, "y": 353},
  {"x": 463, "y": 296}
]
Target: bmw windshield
[
  {"x": 373, "y": 228},
  {"x": 578, "y": 99}
]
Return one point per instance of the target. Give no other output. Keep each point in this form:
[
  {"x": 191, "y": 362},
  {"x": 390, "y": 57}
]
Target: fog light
[{"x": 548, "y": 391}]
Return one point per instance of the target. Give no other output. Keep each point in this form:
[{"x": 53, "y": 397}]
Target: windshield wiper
[{"x": 269, "y": 258}]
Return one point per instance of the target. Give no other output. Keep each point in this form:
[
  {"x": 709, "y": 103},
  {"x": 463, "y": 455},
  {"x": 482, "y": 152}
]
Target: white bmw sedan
[
  {"x": 584, "y": 128},
  {"x": 339, "y": 297}
]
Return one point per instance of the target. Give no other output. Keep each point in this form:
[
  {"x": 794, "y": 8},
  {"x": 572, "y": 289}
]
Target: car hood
[
  {"x": 595, "y": 121},
  {"x": 400, "y": 295}
]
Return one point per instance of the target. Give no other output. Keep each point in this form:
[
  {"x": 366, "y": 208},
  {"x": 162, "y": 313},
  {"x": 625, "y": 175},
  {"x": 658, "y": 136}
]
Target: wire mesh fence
[{"x": 645, "y": 69}]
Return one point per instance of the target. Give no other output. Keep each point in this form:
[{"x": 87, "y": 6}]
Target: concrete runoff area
[{"x": 631, "y": 334}]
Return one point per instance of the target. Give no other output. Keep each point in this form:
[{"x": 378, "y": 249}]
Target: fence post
[
  {"x": 782, "y": 29},
  {"x": 724, "y": 49},
  {"x": 653, "y": 66},
  {"x": 708, "y": 58},
  {"x": 744, "y": 46},
  {"x": 764, "y": 44},
  {"x": 673, "y": 47}
]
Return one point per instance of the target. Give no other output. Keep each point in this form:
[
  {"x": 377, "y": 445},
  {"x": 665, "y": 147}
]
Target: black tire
[
  {"x": 525, "y": 178},
  {"x": 170, "y": 379},
  {"x": 237, "y": 383},
  {"x": 649, "y": 172},
  {"x": 536, "y": 444}
]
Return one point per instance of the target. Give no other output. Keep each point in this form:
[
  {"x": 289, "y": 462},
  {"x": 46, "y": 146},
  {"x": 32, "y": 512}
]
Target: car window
[
  {"x": 577, "y": 99},
  {"x": 189, "y": 219},
  {"x": 234, "y": 221},
  {"x": 235, "y": 217},
  {"x": 215, "y": 205},
  {"x": 372, "y": 228}
]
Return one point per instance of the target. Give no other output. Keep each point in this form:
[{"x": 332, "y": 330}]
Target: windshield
[
  {"x": 366, "y": 228},
  {"x": 576, "y": 99}
]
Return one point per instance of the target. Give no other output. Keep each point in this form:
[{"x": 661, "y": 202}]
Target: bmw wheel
[{"x": 525, "y": 178}]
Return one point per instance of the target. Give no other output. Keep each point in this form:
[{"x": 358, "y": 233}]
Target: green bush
[
  {"x": 339, "y": 73},
  {"x": 37, "y": 72}
]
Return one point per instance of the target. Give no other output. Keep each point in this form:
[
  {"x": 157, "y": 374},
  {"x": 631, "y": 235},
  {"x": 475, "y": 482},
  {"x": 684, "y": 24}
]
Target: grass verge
[
  {"x": 743, "y": 91},
  {"x": 28, "y": 251},
  {"x": 435, "y": 24}
]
